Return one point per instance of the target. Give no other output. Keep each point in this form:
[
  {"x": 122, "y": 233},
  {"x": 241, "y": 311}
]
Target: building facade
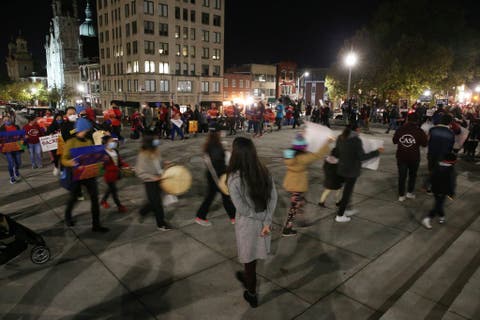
[
  {"x": 312, "y": 87},
  {"x": 287, "y": 79},
  {"x": 262, "y": 80},
  {"x": 154, "y": 51},
  {"x": 237, "y": 86},
  {"x": 19, "y": 60}
]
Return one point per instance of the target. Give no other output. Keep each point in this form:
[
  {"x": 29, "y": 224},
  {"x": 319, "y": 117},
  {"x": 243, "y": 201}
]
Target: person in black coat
[
  {"x": 443, "y": 186},
  {"x": 214, "y": 150},
  {"x": 55, "y": 128},
  {"x": 350, "y": 155},
  {"x": 332, "y": 180}
]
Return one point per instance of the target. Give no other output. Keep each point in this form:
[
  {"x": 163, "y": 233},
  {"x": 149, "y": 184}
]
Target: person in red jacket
[
  {"x": 112, "y": 172},
  {"x": 14, "y": 158},
  {"x": 33, "y": 132},
  {"x": 116, "y": 118}
]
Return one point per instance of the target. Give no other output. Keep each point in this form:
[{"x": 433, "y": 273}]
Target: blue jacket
[
  {"x": 441, "y": 141},
  {"x": 280, "y": 108}
]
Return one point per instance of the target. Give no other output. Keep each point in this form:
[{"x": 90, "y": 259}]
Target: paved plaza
[{"x": 381, "y": 265}]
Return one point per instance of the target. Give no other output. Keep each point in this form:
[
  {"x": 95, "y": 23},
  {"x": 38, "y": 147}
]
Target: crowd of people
[{"x": 246, "y": 186}]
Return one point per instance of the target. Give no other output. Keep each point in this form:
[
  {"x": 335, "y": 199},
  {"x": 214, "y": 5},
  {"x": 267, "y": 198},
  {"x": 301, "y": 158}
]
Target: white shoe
[
  {"x": 410, "y": 195},
  {"x": 342, "y": 219},
  {"x": 203, "y": 223},
  {"x": 426, "y": 223},
  {"x": 350, "y": 213},
  {"x": 441, "y": 220},
  {"x": 401, "y": 198},
  {"x": 55, "y": 171}
]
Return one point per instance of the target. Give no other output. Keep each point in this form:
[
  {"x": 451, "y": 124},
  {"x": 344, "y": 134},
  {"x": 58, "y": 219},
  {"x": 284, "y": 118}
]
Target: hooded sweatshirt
[
  {"x": 351, "y": 155},
  {"x": 409, "y": 139}
]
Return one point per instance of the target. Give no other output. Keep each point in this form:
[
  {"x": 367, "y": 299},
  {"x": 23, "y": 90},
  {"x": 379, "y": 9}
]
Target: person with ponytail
[
  {"x": 350, "y": 157},
  {"x": 253, "y": 193}
]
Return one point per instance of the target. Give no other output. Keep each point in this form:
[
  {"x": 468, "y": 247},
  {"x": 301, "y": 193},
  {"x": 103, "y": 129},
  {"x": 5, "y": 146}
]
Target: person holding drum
[
  {"x": 215, "y": 161},
  {"x": 149, "y": 168},
  {"x": 253, "y": 193}
]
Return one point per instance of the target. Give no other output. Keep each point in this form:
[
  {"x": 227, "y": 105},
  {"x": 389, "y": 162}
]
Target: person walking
[
  {"x": 350, "y": 157},
  {"x": 112, "y": 165},
  {"x": 280, "y": 110},
  {"x": 33, "y": 132},
  {"x": 149, "y": 168},
  {"x": 297, "y": 159},
  {"x": 254, "y": 195},
  {"x": 82, "y": 127},
  {"x": 443, "y": 186},
  {"x": 408, "y": 138},
  {"x": 393, "y": 116},
  {"x": 14, "y": 158},
  {"x": 332, "y": 180},
  {"x": 55, "y": 128},
  {"x": 215, "y": 160}
]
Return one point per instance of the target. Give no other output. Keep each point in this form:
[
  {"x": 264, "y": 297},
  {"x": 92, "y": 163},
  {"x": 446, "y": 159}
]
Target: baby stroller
[{"x": 15, "y": 238}]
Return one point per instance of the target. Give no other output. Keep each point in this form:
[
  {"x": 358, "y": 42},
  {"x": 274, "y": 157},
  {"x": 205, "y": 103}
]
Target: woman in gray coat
[{"x": 253, "y": 193}]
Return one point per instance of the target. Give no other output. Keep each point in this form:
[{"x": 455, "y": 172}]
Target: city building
[
  {"x": 62, "y": 45},
  {"x": 262, "y": 80},
  {"x": 287, "y": 79},
  {"x": 154, "y": 51},
  {"x": 19, "y": 60},
  {"x": 237, "y": 87},
  {"x": 311, "y": 84}
]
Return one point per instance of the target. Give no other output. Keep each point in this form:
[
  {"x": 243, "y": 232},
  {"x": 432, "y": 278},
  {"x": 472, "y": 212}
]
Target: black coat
[
  {"x": 351, "y": 155},
  {"x": 332, "y": 180},
  {"x": 443, "y": 180}
]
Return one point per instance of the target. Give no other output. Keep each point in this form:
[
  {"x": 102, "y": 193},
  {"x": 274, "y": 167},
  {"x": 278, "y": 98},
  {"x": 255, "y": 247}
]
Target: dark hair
[
  {"x": 348, "y": 130},
  {"x": 70, "y": 108},
  {"x": 147, "y": 142},
  {"x": 253, "y": 174},
  {"x": 446, "y": 119},
  {"x": 213, "y": 140},
  {"x": 106, "y": 138},
  {"x": 412, "y": 117}
]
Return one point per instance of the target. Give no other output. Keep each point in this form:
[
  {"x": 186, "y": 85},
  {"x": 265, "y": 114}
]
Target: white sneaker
[
  {"x": 350, "y": 213},
  {"x": 410, "y": 195},
  {"x": 81, "y": 198},
  {"x": 441, "y": 220},
  {"x": 203, "y": 223},
  {"x": 55, "y": 171},
  {"x": 426, "y": 223},
  {"x": 401, "y": 198},
  {"x": 342, "y": 219}
]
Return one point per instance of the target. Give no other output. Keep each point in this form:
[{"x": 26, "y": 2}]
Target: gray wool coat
[{"x": 248, "y": 223}]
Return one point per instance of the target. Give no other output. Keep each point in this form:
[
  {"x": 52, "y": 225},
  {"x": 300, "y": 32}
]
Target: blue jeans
[
  {"x": 14, "y": 162},
  {"x": 176, "y": 129},
  {"x": 35, "y": 154}
]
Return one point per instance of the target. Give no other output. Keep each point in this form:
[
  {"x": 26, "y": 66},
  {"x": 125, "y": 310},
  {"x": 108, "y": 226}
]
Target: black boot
[{"x": 252, "y": 299}]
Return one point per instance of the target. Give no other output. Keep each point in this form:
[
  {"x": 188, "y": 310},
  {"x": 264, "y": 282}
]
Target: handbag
[{"x": 220, "y": 182}]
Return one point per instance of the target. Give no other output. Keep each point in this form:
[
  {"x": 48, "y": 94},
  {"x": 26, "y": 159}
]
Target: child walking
[
  {"x": 113, "y": 166},
  {"x": 295, "y": 182},
  {"x": 443, "y": 186},
  {"x": 333, "y": 182}
]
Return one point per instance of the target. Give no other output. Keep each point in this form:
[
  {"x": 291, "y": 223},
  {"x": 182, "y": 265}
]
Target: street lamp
[
  {"x": 477, "y": 89},
  {"x": 305, "y": 74},
  {"x": 427, "y": 93},
  {"x": 350, "y": 61}
]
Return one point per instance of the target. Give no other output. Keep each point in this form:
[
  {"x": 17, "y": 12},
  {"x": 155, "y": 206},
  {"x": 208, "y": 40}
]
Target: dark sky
[{"x": 262, "y": 31}]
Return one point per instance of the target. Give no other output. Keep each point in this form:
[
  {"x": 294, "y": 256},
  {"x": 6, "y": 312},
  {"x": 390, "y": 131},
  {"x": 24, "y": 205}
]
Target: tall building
[
  {"x": 19, "y": 60},
  {"x": 152, "y": 51},
  {"x": 62, "y": 45}
]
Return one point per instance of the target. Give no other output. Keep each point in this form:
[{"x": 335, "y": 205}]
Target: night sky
[{"x": 260, "y": 31}]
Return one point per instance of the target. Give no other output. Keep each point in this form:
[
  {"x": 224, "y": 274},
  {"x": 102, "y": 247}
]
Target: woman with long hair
[
  {"x": 253, "y": 193},
  {"x": 215, "y": 159},
  {"x": 149, "y": 168},
  {"x": 350, "y": 157}
]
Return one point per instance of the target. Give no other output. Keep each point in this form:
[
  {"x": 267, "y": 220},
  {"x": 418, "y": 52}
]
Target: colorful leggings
[{"x": 296, "y": 206}]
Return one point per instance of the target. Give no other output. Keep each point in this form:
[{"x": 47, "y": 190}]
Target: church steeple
[{"x": 87, "y": 29}]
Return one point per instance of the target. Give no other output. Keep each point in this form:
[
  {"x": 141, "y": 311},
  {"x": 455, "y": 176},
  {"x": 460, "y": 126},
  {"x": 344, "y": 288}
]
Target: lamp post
[{"x": 350, "y": 61}]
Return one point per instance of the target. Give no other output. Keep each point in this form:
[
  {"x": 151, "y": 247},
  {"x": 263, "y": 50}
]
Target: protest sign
[
  {"x": 317, "y": 136},
  {"x": 49, "y": 143}
]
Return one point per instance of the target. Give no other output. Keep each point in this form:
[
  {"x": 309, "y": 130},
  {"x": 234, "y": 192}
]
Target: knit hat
[
  {"x": 299, "y": 143},
  {"x": 289, "y": 154},
  {"x": 82, "y": 125},
  {"x": 79, "y": 108}
]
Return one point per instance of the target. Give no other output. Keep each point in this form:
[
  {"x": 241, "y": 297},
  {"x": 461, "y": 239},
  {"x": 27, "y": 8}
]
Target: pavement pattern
[{"x": 381, "y": 265}]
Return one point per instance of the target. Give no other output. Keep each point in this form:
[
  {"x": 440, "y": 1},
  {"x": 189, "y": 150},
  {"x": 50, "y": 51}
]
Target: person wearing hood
[
  {"x": 350, "y": 157},
  {"x": 443, "y": 186},
  {"x": 55, "y": 128},
  {"x": 82, "y": 127},
  {"x": 297, "y": 159}
]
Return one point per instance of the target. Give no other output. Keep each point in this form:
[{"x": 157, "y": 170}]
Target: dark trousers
[
  {"x": 251, "y": 276},
  {"x": 12, "y": 250},
  {"x": 296, "y": 122},
  {"x": 176, "y": 129},
  {"x": 432, "y": 163},
  {"x": 56, "y": 158},
  {"x": 154, "y": 202},
  {"x": 112, "y": 189},
  {"x": 347, "y": 194},
  {"x": 212, "y": 192},
  {"x": 231, "y": 125},
  {"x": 14, "y": 160},
  {"x": 92, "y": 188},
  {"x": 117, "y": 132},
  {"x": 405, "y": 169},
  {"x": 438, "y": 208},
  {"x": 278, "y": 122}
]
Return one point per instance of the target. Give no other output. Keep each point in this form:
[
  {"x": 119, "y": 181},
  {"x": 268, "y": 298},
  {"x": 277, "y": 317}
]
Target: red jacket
[
  {"x": 116, "y": 117},
  {"x": 112, "y": 172},
  {"x": 33, "y": 133}
]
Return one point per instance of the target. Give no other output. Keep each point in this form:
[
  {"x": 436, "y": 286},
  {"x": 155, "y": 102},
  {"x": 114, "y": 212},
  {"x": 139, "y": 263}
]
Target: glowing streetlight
[
  {"x": 427, "y": 93},
  {"x": 350, "y": 61},
  {"x": 305, "y": 74},
  {"x": 80, "y": 88},
  {"x": 34, "y": 91},
  {"x": 477, "y": 89}
]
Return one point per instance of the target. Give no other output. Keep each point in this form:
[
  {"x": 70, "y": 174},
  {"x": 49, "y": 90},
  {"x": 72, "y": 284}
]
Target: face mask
[
  {"x": 112, "y": 145},
  {"x": 59, "y": 121},
  {"x": 7, "y": 123},
  {"x": 156, "y": 142},
  {"x": 72, "y": 118}
]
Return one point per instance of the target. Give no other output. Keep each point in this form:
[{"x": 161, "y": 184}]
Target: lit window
[{"x": 163, "y": 68}]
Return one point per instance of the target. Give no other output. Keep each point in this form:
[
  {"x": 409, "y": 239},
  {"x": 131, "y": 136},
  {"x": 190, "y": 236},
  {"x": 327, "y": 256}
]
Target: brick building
[
  {"x": 237, "y": 86},
  {"x": 286, "y": 79}
]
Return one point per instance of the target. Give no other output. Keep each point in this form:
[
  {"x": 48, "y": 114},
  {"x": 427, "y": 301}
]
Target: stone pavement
[{"x": 382, "y": 264}]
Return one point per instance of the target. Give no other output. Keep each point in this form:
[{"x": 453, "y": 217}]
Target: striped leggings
[{"x": 296, "y": 207}]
